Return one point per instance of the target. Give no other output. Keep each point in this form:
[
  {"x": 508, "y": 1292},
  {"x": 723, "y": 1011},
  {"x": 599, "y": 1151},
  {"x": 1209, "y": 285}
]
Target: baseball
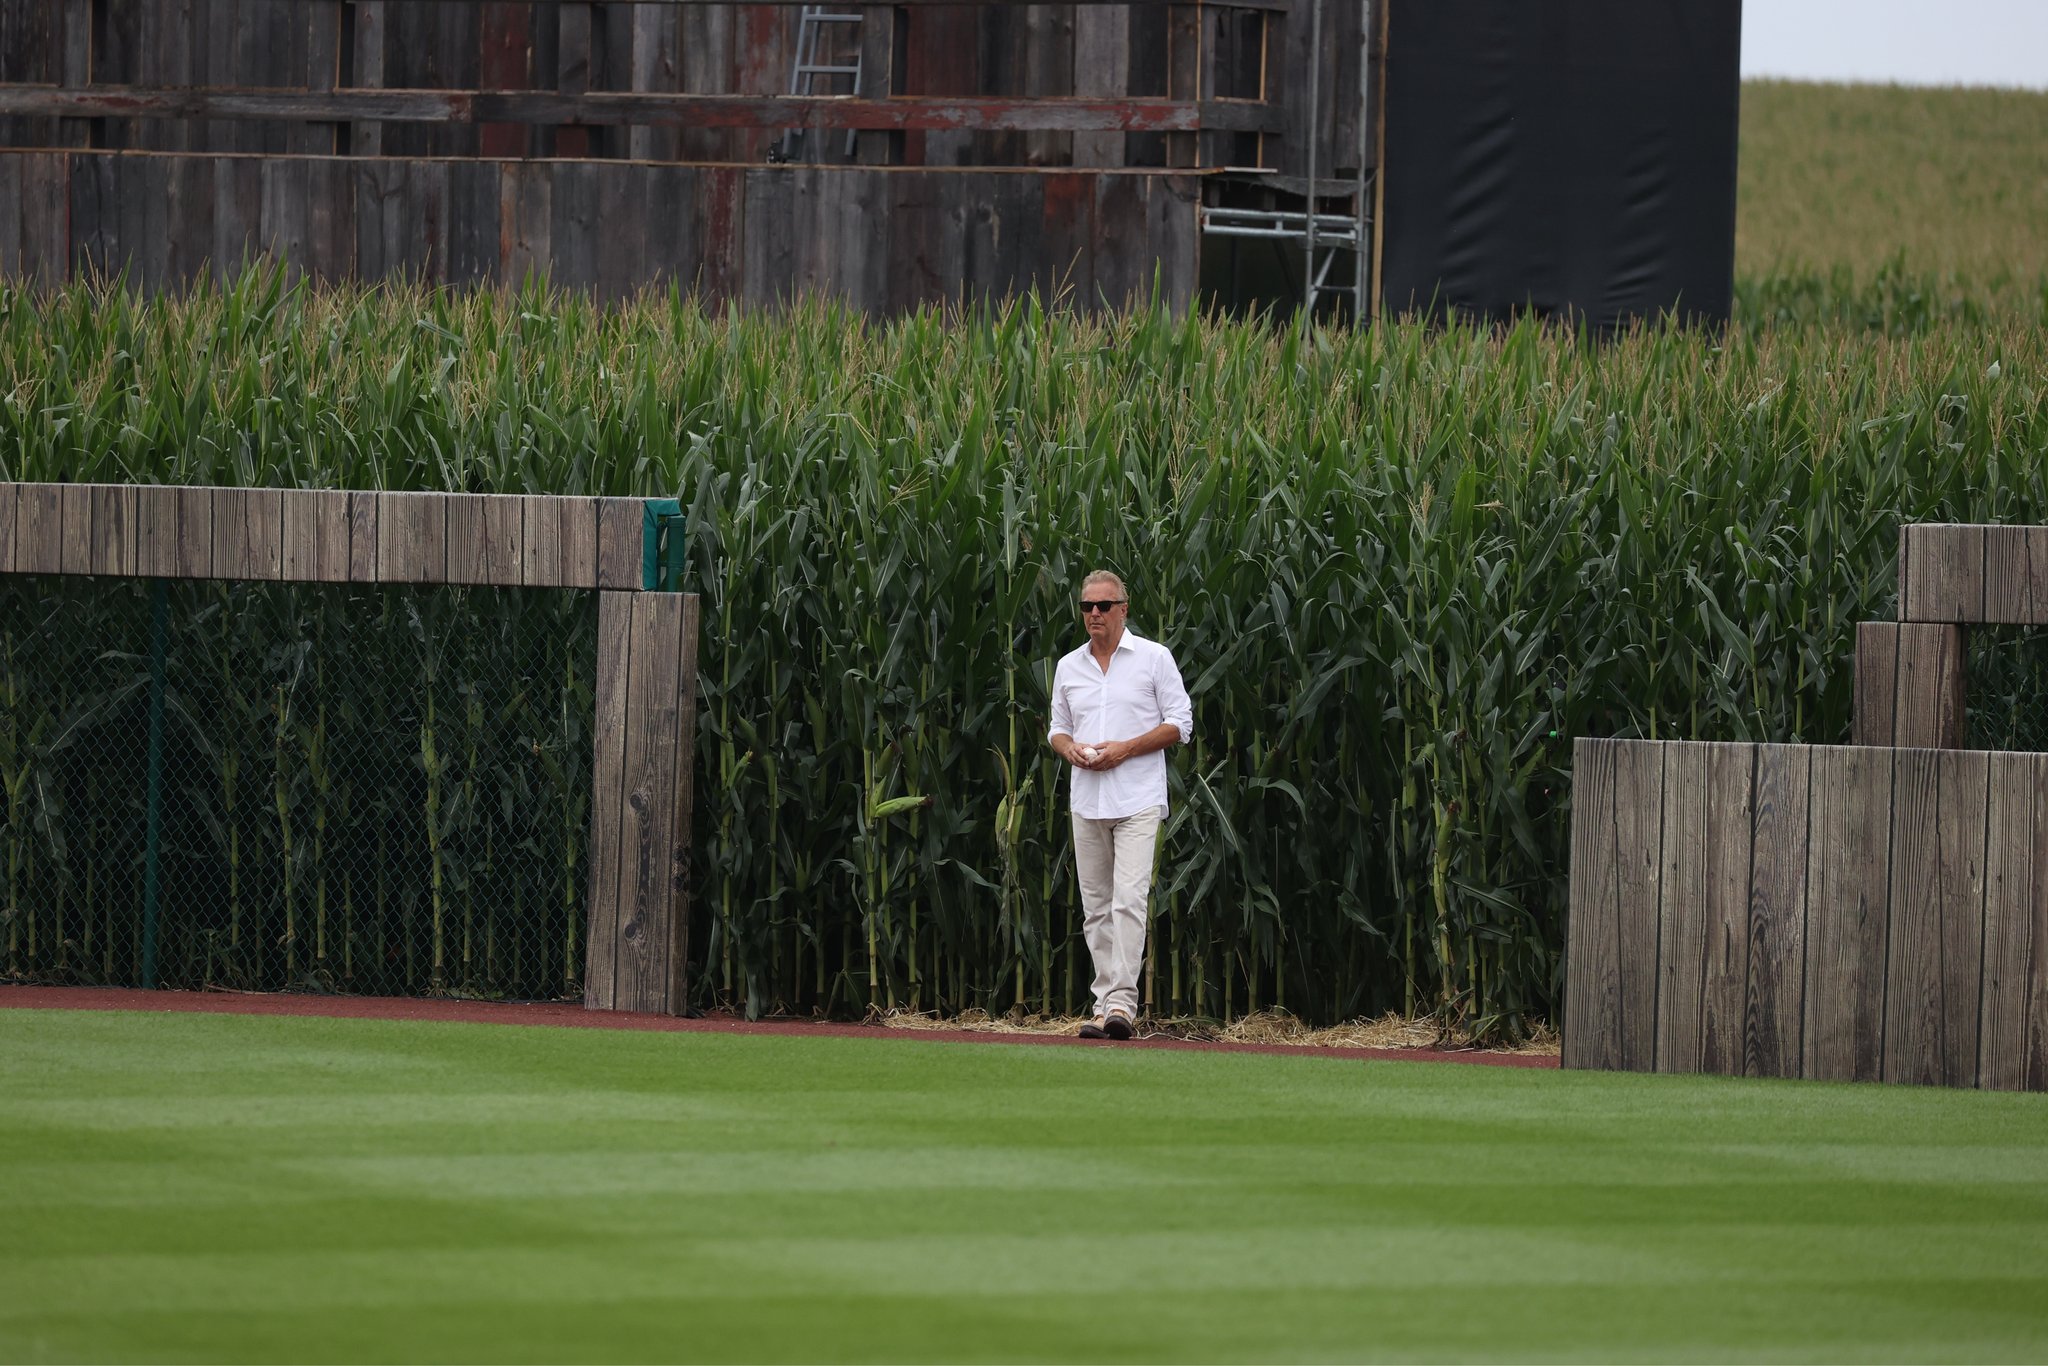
[{"x": 1090, "y": 753}]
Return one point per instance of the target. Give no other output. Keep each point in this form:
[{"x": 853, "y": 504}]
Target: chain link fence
[
  {"x": 2007, "y": 676},
  {"x": 382, "y": 791}
]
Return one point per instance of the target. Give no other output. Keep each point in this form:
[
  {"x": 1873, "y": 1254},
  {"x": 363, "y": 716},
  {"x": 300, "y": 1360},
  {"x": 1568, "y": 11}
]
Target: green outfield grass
[{"x": 232, "y": 1188}]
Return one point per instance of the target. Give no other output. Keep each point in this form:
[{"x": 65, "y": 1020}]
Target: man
[{"x": 1117, "y": 705}]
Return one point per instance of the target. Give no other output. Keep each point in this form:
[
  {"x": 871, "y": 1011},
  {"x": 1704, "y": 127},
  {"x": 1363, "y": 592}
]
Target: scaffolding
[{"x": 1323, "y": 231}]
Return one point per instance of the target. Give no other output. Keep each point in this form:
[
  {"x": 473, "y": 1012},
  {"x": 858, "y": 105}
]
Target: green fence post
[
  {"x": 159, "y": 597},
  {"x": 661, "y": 545}
]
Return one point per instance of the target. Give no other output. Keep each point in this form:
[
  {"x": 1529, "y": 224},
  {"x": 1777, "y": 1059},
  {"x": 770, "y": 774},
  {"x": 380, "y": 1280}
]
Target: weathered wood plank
[
  {"x": 1682, "y": 909},
  {"x": 1106, "y": 118},
  {"x": 1943, "y": 566},
  {"x": 39, "y": 530},
  {"x": 362, "y": 537},
  {"x": 620, "y": 536},
  {"x": 607, "y": 799},
  {"x": 195, "y": 533},
  {"x": 1877, "y": 683},
  {"x": 650, "y": 870},
  {"x": 248, "y": 534},
  {"x": 1777, "y": 913},
  {"x": 1933, "y": 979},
  {"x": 412, "y": 538},
  {"x": 1931, "y": 707},
  {"x": 113, "y": 530},
  {"x": 1638, "y": 815},
  {"x": 1964, "y": 780},
  {"x": 76, "y": 535},
  {"x": 2016, "y": 575},
  {"x": 1102, "y": 60},
  {"x": 579, "y": 543},
  {"x": 2015, "y": 904},
  {"x": 315, "y": 539},
  {"x": 1592, "y": 1008},
  {"x": 486, "y": 538},
  {"x": 1913, "y": 975},
  {"x": 1848, "y": 902},
  {"x": 237, "y": 214},
  {"x": 10, "y": 508},
  {"x": 685, "y": 747},
  {"x": 1730, "y": 838},
  {"x": 156, "y": 530},
  {"x": 541, "y": 535}
]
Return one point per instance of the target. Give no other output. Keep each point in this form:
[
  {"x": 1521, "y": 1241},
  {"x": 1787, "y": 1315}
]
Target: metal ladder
[{"x": 807, "y": 68}]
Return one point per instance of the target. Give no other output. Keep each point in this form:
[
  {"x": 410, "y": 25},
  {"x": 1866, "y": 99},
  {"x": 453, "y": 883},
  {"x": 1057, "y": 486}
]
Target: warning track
[{"x": 568, "y": 1015}]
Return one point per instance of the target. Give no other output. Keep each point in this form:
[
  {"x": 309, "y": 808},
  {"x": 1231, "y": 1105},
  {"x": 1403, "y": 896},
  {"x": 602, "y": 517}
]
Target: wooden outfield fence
[
  {"x": 1838, "y": 913},
  {"x": 646, "y": 684},
  {"x": 1868, "y": 913}
]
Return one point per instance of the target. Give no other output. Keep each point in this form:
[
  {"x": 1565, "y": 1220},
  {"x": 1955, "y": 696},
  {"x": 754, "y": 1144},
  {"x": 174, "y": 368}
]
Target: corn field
[{"x": 1402, "y": 569}]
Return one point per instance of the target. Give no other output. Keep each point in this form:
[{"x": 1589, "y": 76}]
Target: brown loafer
[
  {"x": 1118, "y": 1026},
  {"x": 1094, "y": 1029}
]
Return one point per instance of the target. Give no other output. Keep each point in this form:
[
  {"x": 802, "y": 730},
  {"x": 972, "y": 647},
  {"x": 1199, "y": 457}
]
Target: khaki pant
[{"x": 1113, "y": 859}]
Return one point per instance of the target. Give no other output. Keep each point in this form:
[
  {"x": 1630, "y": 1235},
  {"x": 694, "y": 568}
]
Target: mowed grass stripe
[{"x": 614, "y": 1196}]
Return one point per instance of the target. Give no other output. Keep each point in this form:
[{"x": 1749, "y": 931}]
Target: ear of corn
[{"x": 1401, "y": 569}]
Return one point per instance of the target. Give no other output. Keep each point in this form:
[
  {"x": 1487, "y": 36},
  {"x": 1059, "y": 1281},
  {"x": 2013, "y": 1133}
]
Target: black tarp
[{"x": 1561, "y": 156}]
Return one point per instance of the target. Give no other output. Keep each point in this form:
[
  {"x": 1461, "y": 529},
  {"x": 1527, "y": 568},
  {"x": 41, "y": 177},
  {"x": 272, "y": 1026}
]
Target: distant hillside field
[{"x": 1954, "y": 180}]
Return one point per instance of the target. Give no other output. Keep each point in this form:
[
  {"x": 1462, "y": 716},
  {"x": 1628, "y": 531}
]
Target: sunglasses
[{"x": 1102, "y": 605}]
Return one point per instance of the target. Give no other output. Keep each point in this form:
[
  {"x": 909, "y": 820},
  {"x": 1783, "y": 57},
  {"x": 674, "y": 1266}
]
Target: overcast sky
[{"x": 1914, "y": 42}]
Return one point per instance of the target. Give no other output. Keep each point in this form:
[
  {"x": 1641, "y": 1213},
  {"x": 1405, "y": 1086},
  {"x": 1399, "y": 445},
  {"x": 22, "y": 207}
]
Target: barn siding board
[
  {"x": 884, "y": 240},
  {"x": 1848, "y": 860},
  {"x": 1592, "y": 1007},
  {"x": 45, "y": 218},
  {"x": 1682, "y": 911},
  {"x": 2016, "y": 825},
  {"x": 607, "y": 797},
  {"x": 11, "y": 169},
  {"x": 1777, "y": 913},
  {"x": 1730, "y": 839},
  {"x": 189, "y": 219},
  {"x": 237, "y": 214}
]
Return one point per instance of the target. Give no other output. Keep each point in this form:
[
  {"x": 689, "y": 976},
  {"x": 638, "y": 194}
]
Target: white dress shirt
[{"x": 1141, "y": 689}]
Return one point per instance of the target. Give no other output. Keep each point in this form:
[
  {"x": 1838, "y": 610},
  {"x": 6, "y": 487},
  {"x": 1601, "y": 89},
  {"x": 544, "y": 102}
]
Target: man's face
[{"x": 1103, "y": 624}]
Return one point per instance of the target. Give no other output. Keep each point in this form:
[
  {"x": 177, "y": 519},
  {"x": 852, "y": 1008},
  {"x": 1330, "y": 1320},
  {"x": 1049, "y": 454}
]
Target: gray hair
[{"x": 1105, "y": 576}]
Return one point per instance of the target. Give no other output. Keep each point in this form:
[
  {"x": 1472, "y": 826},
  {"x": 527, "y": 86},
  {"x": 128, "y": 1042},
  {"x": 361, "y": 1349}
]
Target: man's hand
[{"x": 1110, "y": 753}]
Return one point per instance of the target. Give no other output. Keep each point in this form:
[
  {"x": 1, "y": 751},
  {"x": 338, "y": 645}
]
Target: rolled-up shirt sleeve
[
  {"x": 1062, "y": 717},
  {"x": 1174, "y": 705}
]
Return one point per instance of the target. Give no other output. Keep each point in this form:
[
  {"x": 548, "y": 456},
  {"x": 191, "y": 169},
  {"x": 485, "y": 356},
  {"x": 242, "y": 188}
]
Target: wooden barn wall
[
  {"x": 884, "y": 239},
  {"x": 1833, "y": 913},
  {"x": 997, "y": 50}
]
